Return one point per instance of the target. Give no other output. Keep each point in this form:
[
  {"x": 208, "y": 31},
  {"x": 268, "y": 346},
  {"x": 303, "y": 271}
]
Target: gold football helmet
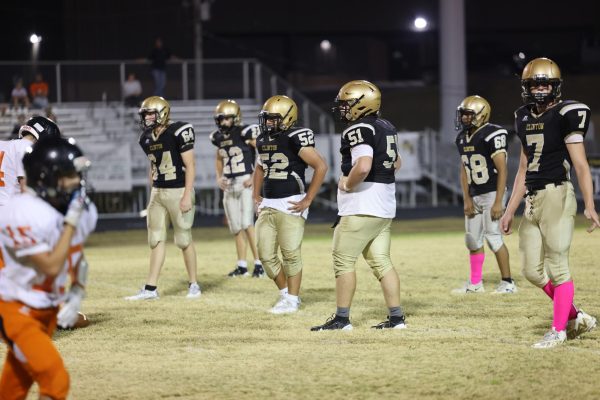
[
  {"x": 158, "y": 106},
  {"x": 357, "y": 99},
  {"x": 540, "y": 71},
  {"x": 478, "y": 107},
  {"x": 281, "y": 111},
  {"x": 228, "y": 109}
]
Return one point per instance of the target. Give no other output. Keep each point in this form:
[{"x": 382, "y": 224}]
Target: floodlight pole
[
  {"x": 453, "y": 81},
  {"x": 201, "y": 13}
]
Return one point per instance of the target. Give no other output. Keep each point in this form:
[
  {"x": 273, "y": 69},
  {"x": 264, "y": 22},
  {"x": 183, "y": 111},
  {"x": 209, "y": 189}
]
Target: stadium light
[
  {"x": 35, "y": 39},
  {"x": 420, "y": 23},
  {"x": 521, "y": 55},
  {"x": 325, "y": 45}
]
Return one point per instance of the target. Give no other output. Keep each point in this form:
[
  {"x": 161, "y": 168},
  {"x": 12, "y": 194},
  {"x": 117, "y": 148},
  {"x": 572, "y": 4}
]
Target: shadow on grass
[{"x": 207, "y": 284}]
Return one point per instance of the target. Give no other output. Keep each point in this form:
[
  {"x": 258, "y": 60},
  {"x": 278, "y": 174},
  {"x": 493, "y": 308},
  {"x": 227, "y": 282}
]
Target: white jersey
[
  {"x": 11, "y": 167},
  {"x": 367, "y": 198},
  {"x": 28, "y": 226}
]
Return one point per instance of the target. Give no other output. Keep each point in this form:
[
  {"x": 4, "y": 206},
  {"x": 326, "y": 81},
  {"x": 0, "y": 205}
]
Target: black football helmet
[
  {"x": 50, "y": 159},
  {"x": 38, "y": 127}
]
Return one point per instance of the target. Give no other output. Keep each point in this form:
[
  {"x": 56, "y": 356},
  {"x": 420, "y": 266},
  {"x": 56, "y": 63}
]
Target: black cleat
[
  {"x": 334, "y": 323},
  {"x": 238, "y": 271},
  {"x": 258, "y": 272},
  {"x": 391, "y": 323}
]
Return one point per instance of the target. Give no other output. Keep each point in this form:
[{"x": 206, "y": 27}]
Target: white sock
[
  {"x": 283, "y": 291},
  {"x": 257, "y": 262},
  {"x": 292, "y": 298},
  {"x": 242, "y": 263}
]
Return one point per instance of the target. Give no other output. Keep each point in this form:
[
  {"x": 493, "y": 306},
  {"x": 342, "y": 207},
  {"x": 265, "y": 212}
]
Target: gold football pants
[
  {"x": 278, "y": 230},
  {"x": 369, "y": 235},
  {"x": 545, "y": 234},
  {"x": 164, "y": 207}
]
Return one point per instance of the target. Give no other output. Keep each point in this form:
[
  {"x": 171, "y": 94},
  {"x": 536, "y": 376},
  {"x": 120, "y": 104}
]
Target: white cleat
[
  {"x": 285, "y": 306},
  {"x": 505, "y": 288},
  {"x": 194, "y": 291},
  {"x": 470, "y": 288},
  {"x": 582, "y": 324},
  {"x": 145, "y": 295},
  {"x": 551, "y": 339}
]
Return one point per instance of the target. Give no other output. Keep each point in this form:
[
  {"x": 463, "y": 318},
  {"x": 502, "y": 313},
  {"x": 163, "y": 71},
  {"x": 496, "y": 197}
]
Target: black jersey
[
  {"x": 164, "y": 152},
  {"x": 477, "y": 152},
  {"x": 381, "y": 136},
  {"x": 237, "y": 154},
  {"x": 280, "y": 159},
  {"x": 543, "y": 138}
]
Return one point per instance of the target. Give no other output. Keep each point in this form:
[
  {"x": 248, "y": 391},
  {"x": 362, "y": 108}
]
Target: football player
[
  {"x": 37, "y": 231},
  {"x": 366, "y": 203},
  {"x": 11, "y": 154},
  {"x": 170, "y": 149},
  {"x": 235, "y": 163},
  {"x": 282, "y": 198},
  {"x": 482, "y": 148},
  {"x": 551, "y": 133}
]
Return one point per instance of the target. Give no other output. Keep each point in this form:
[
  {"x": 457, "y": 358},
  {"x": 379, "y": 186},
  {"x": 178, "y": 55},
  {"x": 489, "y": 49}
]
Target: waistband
[{"x": 533, "y": 188}]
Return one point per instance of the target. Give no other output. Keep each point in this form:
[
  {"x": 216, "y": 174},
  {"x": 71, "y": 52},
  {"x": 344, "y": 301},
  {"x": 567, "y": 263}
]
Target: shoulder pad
[
  {"x": 523, "y": 109},
  {"x": 493, "y": 131},
  {"x": 296, "y": 131},
  {"x": 182, "y": 127},
  {"x": 246, "y": 128},
  {"x": 569, "y": 105},
  {"x": 360, "y": 126}
]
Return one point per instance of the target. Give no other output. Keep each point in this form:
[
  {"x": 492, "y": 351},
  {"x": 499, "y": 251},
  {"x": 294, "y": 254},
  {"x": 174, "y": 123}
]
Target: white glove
[
  {"x": 69, "y": 312},
  {"x": 78, "y": 203}
]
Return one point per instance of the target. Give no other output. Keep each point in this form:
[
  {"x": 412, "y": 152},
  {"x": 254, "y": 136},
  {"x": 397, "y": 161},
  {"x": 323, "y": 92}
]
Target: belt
[{"x": 533, "y": 188}]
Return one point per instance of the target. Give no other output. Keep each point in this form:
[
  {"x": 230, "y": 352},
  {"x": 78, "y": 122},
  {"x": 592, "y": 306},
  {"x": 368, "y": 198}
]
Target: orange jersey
[{"x": 38, "y": 89}]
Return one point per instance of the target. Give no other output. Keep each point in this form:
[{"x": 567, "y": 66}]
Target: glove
[
  {"x": 69, "y": 312},
  {"x": 79, "y": 202}
]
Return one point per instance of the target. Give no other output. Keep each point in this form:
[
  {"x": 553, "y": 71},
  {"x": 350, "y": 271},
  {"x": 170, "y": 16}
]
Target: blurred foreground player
[{"x": 37, "y": 230}]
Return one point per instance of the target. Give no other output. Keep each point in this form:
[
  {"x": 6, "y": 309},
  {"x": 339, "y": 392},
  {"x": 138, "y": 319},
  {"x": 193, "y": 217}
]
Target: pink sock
[
  {"x": 549, "y": 290},
  {"x": 563, "y": 301},
  {"x": 476, "y": 267}
]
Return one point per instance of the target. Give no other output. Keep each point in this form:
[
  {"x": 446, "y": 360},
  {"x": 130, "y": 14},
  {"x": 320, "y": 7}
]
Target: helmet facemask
[
  {"x": 343, "y": 109},
  {"x": 540, "y": 98},
  {"x": 459, "y": 122},
  {"x": 148, "y": 124},
  {"x": 271, "y": 124},
  {"x": 219, "y": 121}
]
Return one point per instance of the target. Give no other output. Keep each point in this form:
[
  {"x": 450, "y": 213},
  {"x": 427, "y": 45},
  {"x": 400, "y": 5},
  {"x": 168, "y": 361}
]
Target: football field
[{"x": 227, "y": 346}]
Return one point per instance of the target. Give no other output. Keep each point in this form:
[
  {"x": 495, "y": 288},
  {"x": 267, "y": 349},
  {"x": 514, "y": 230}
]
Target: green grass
[{"x": 226, "y": 345}]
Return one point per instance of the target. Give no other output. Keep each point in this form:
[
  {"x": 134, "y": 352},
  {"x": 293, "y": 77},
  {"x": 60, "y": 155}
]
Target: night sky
[
  {"x": 371, "y": 40},
  {"x": 285, "y": 34}
]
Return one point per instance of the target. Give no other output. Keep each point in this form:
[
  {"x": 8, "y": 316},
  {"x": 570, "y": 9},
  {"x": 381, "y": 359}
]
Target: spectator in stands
[
  {"x": 132, "y": 91},
  {"x": 19, "y": 95},
  {"x": 39, "y": 92},
  {"x": 158, "y": 58}
]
